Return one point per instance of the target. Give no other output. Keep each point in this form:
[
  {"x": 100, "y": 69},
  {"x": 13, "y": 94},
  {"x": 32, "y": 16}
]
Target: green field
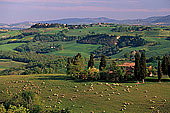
[
  {"x": 72, "y": 48},
  {"x": 7, "y": 63},
  {"x": 10, "y": 47},
  {"x": 108, "y": 97}
]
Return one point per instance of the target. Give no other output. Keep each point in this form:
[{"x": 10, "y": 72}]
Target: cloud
[
  {"x": 95, "y": 8},
  {"x": 56, "y": 1}
]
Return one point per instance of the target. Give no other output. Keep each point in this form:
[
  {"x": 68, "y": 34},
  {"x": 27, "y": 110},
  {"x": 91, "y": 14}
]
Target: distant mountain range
[{"x": 158, "y": 20}]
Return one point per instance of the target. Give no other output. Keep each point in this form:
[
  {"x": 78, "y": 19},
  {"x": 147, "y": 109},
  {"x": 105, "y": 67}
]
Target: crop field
[{"x": 58, "y": 91}]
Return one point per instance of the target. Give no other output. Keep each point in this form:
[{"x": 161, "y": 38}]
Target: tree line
[{"x": 36, "y": 63}]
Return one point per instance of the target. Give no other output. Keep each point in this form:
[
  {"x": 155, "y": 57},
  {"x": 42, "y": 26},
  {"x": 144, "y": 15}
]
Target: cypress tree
[
  {"x": 165, "y": 63},
  {"x": 143, "y": 66},
  {"x": 137, "y": 66},
  {"x": 91, "y": 61},
  {"x": 169, "y": 69},
  {"x": 102, "y": 63},
  {"x": 159, "y": 72}
]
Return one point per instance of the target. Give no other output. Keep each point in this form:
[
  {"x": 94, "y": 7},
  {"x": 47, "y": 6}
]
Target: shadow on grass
[
  {"x": 58, "y": 77},
  {"x": 62, "y": 77},
  {"x": 156, "y": 80}
]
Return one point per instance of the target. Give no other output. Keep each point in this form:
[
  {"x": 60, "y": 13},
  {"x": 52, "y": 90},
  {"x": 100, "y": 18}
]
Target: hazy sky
[{"x": 12, "y": 11}]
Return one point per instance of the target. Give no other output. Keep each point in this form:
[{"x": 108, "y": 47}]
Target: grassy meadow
[
  {"x": 7, "y": 63},
  {"x": 85, "y": 97},
  {"x": 72, "y": 48}
]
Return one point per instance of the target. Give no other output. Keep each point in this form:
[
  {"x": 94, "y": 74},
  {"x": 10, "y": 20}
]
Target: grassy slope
[
  {"x": 7, "y": 63},
  {"x": 89, "y": 100},
  {"x": 11, "y": 46},
  {"x": 72, "y": 48},
  {"x": 10, "y": 33}
]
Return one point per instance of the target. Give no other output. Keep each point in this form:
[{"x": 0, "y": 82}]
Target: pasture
[{"x": 59, "y": 91}]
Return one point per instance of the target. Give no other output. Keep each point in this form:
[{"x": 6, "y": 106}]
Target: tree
[
  {"x": 165, "y": 61},
  {"x": 169, "y": 69},
  {"x": 75, "y": 65},
  {"x": 137, "y": 66},
  {"x": 91, "y": 61},
  {"x": 159, "y": 72},
  {"x": 143, "y": 66},
  {"x": 102, "y": 63}
]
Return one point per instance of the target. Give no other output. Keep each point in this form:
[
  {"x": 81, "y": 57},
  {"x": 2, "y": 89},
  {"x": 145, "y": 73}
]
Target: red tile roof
[{"x": 126, "y": 64}]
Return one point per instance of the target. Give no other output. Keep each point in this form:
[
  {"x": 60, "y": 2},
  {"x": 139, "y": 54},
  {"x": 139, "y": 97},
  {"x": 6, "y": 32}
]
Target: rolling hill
[{"x": 157, "y": 20}]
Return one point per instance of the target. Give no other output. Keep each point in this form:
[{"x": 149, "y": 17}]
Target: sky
[{"x": 14, "y": 11}]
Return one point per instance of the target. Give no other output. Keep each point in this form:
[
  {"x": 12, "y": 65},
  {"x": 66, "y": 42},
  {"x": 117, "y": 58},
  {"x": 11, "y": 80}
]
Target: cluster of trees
[
  {"x": 164, "y": 68},
  {"x": 131, "y": 28},
  {"x": 136, "y": 41},
  {"x": 27, "y": 102},
  {"x": 111, "y": 44},
  {"x": 153, "y": 59},
  {"x": 46, "y": 25},
  {"x": 36, "y": 63},
  {"x": 77, "y": 69},
  {"x": 39, "y": 47},
  {"x": 53, "y": 37},
  {"x": 140, "y": 66}
]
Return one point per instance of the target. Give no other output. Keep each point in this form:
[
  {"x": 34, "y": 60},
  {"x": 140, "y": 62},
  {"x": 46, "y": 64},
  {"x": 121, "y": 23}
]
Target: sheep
[
  {"x": 77, "y": 90},
  {"x": 151, "y": 107},
  {"x": 43, "y": 83},
  {"x": 108, "y": 99},
  {"x": 55, "y": 94},
  {"x": 101, "y": 95},
  {"x": 121, "y": 109},
  {"x": 145, "y": 91},
  {"x": 108, "y": 94},
  {"x": 55, "y": 106},
  {"x": 96, "y": 93},
  {"x": 153, "y": 101},
  {"x": 155, "y": 97}
]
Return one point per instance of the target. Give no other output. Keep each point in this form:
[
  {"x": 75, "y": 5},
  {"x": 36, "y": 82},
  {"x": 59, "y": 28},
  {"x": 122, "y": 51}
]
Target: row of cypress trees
[
  {"x": 102, "y": 62},
  {"x": 164, "y": 68},
  {"x": 140, "y": 66}
]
